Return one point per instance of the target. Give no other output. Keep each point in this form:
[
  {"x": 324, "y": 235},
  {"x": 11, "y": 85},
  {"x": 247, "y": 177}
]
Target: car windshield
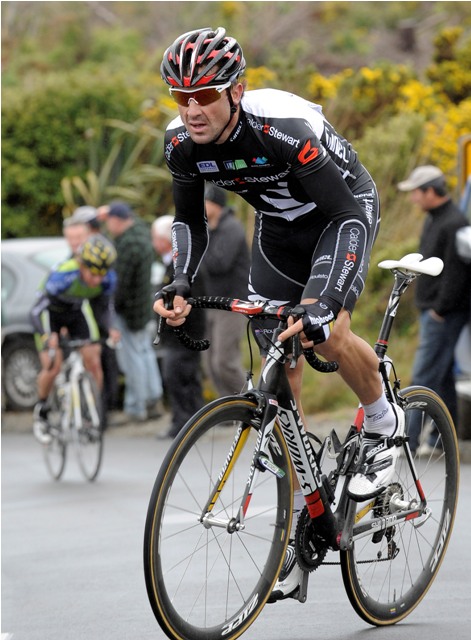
[{"x": 49, "y": 257}]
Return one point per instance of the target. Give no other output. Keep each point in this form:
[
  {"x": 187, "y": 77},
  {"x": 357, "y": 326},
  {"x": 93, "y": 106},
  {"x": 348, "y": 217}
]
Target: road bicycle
[
  {"x": 74, "y": 416},
  {"x": 219, "y": 516}
]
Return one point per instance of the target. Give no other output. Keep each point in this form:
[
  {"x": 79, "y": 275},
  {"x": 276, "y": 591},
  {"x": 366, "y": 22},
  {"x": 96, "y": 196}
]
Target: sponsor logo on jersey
[
  {"x": 337, "y": 145},
  {"x": 308, "y": 153},
  {"x": 233, "y": 165},
  {"x": 350, "y": 259},
  {"x": 272, "y": 131},
  {"x": 247, "y": 179},
  {"x": 207, "y": 166},
  {"x": 259, "y": 161},
  {"x": 174, "y": 142}
]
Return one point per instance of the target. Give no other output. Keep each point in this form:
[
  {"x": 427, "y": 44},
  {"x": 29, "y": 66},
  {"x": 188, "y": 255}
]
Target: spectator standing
[
  {"x": 443, "y": 301},
  {"x": 180, "y": 367},
  {"x": 136, "y": 357},
  {"x": 227, "y": 264}
]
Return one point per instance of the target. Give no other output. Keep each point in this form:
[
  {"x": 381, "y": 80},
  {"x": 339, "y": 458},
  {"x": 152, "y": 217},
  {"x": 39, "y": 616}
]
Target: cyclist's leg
[
  {"x": 49, "y": 367},
  {"x": 46, "y": 376},
  {"x": 85, "y": 327},
  {"x": 357, "y": 360},
  {"x": 91, "y": 354}
]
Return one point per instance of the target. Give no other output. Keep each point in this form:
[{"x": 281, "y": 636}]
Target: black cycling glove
[
  {"x": 316, "y": 318},
  {"x": 179, "y": 287}
]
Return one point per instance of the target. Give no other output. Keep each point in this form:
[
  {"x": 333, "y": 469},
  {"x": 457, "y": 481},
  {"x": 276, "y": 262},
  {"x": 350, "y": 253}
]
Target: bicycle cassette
[{"x": 311, "y": 548}]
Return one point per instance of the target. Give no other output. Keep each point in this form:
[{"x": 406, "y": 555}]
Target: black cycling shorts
[
  {"x": 79, "y": 322},
  {"x": 292, "y": 260}
]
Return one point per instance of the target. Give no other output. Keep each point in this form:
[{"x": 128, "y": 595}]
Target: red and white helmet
[{"x": 202, "y": 58}]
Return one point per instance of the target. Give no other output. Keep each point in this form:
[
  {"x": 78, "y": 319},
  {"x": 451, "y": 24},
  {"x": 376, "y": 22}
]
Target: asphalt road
[{"x": 72, "y": 557}]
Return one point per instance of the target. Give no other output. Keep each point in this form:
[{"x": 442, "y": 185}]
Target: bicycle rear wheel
[
  {"x": 387, "y": 574},
  {"x": 206, "y": 581},
  {"x": 55, "y": 452},
  {"x": 89, "y": 437}
]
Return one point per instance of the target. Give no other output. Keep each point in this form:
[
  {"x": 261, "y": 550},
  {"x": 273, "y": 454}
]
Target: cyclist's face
[
  {"x": 204, "y": 124},
  {"x": 90, "y": 279}
]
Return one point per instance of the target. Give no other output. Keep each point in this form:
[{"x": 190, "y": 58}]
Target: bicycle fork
[{"x": 260, "y": 462}]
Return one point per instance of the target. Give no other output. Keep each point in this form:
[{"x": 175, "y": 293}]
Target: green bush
[{"x": 46, "y": 129}]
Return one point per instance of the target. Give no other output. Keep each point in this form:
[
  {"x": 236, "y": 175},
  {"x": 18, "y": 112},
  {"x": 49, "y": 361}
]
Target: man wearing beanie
[{"x": 443, "y": 301}]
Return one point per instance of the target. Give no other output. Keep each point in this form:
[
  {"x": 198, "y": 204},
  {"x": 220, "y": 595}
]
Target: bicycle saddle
[{"x": 413, "y": 262}]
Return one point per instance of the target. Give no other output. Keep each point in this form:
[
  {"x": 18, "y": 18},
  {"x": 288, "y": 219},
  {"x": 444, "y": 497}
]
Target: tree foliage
[{"x": 84, "y": 109}]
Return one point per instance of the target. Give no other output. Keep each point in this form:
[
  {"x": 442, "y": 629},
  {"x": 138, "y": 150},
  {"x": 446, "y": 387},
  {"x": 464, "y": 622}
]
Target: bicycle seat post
[{"x": 401, "y": 284}]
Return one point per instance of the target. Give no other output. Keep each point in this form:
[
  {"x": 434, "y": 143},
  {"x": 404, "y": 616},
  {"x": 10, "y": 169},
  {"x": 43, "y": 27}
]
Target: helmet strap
[{"x": 233, "y": 109}]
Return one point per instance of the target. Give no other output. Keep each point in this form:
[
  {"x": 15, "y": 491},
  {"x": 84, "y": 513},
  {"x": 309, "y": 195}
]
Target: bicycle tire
[
  {"x": 204, "y": 583},
  {"x": 89, "y": 437},
  {"x": 55, "y": 452},
  {"x": 386, "y": 579}
]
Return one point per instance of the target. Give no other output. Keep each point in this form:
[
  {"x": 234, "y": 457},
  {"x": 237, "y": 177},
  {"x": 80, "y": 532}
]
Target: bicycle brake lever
[
  {"x": 295, "y": 351},
  {"x": 167, "y": 298}
]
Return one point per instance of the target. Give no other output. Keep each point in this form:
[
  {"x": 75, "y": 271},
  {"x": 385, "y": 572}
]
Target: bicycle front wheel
[
  {"x": 55, "y": 452},
  {"x": 388, "y": 573},
  {"x": 89, "y": 436},
  {"x": 207, "y": 578}
]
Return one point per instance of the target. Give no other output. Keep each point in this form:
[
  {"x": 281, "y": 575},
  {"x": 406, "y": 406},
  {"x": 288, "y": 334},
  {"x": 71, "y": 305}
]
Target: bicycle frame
[
  {"x": 72, "y": 370},
  {"x": 275, "y": 400}
]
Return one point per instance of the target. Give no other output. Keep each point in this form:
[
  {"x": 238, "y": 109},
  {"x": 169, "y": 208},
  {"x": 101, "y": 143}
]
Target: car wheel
[{"x": 20, "y": 369}]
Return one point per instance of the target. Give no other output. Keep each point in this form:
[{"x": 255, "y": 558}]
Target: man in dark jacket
[
  {"x": 136, "y": 357},
  {"x": 443, "y": 301},
  {"x": 181, "y": 367},
  {"x": 227, "y": 264}
]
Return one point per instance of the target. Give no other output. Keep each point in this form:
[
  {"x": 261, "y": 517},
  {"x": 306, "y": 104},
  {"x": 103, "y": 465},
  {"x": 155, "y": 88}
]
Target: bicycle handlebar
[{"x": 262, "y": 310}]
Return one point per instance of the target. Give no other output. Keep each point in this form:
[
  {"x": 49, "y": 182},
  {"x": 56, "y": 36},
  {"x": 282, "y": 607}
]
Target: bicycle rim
[
  {"x": 55, "y": 453},
  {"x": 89, "y": 437},
  {"x": 386, "y": 575},
  {"x": 207, "y": 582}
]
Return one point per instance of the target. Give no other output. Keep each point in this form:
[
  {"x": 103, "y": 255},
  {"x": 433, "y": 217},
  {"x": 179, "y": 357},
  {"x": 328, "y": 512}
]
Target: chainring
[{"x": 311, "y": 548}]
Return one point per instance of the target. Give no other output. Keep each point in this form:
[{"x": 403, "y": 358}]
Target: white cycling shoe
[
  {"x": 378, "y": 456},
  {"x": 290, "y": 580},
  {"x": 40, "y": 425}
]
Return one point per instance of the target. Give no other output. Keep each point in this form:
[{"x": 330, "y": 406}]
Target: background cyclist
[
  {"x": 317, "y": 216},
  {"x": 76, "y": 297}
]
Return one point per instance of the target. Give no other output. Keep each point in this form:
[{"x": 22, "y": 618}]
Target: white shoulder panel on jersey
[
  {"x": 175, "y": 123},
  {"x": 273, "y": 103}
]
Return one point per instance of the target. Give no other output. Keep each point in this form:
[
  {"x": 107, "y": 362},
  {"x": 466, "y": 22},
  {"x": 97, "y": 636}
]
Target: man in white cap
[{"x": 443, "y": 301}]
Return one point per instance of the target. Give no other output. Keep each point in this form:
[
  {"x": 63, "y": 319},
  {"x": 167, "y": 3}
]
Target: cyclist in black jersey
[{"x": 317, "y": 216}]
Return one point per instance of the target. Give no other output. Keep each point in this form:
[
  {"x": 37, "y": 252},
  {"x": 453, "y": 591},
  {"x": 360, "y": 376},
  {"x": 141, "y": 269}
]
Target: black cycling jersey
[{"x": 286, "y": 160}]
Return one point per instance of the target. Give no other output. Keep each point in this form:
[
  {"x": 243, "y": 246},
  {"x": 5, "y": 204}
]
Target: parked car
[{"x": 25, "y": 262}]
